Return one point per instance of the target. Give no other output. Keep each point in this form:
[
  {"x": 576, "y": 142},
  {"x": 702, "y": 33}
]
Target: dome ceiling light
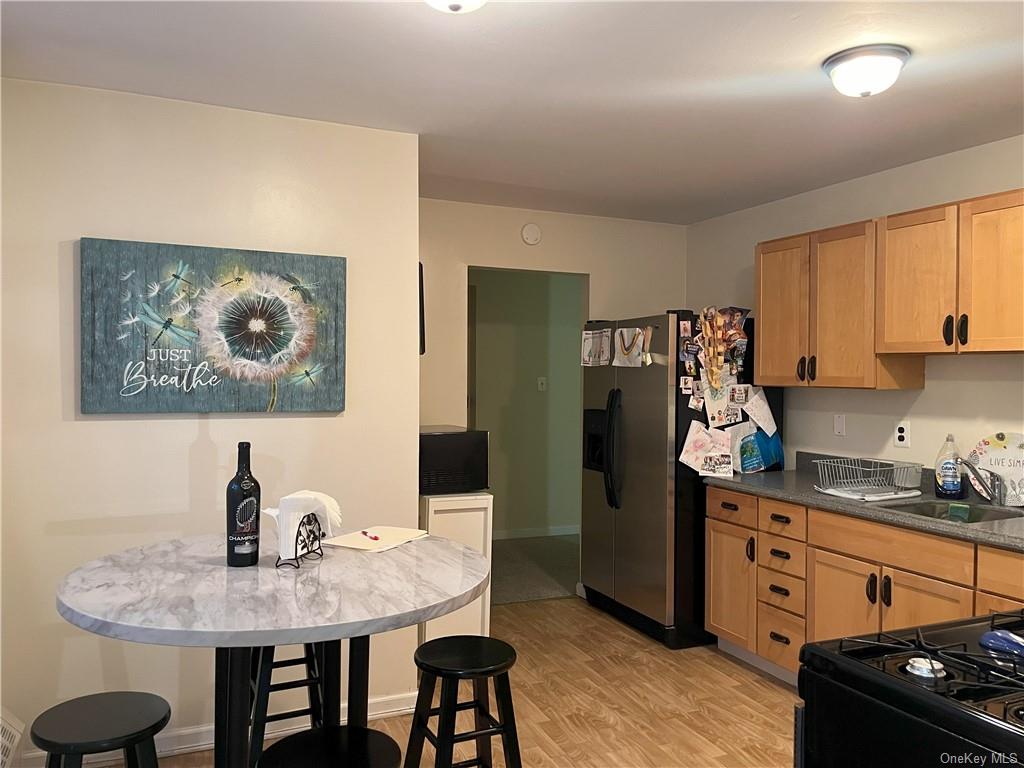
[
  {"x": 866, "y": 69},
  {"x": 459, "y": 7}
]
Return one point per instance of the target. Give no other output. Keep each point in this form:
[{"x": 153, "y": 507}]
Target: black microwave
[{"x": 452, "y": 460}]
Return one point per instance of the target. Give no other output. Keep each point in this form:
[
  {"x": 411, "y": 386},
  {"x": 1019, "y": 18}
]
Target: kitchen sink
[{"x": 976, "y": 513}]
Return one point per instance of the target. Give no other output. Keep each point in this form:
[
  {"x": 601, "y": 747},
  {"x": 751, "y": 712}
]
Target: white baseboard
[
  {"x": 532, "y": 533},
  {"x": 198, "y": 738}
]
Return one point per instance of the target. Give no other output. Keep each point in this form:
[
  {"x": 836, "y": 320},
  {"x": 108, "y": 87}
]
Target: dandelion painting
[{"x": 178, "y": 328}]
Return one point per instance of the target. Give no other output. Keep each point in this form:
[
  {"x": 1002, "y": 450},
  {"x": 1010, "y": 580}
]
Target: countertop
[
  {"x": 181, "y": 592},
  {"x": 797, "y": 487}
]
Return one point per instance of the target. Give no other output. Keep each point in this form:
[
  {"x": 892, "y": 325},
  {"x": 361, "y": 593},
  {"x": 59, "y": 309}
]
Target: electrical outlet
[
  {"x": 901, "y": 434},
  {"x": 839, "y": 425},
  {"x": 542, "y": 384}
]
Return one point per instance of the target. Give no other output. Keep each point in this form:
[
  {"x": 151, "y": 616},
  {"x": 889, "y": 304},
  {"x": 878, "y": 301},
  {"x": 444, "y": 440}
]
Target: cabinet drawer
[
  {"x": 984, "y": 604},
  {"x": 732, "y": 507},
  {"x": 781, "y": 590},
  {"x": 782, "y": 519},
  {"x": 782, "y": 554},
  {"x": 943, "y": 558},
  {"x": 1001, "y": 571},
  {"x": 779, "y": 636}
]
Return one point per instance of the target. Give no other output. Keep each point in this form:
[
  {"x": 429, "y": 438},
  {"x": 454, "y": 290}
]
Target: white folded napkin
[{"x": 295, "y": 506}]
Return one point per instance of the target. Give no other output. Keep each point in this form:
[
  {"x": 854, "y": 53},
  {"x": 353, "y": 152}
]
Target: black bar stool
[
  {"x": 464, "y": 657},
  {"x": 102, "y": 722},
  {"x": 263, "y": 666},
  {"x": 340, "y": 745}
]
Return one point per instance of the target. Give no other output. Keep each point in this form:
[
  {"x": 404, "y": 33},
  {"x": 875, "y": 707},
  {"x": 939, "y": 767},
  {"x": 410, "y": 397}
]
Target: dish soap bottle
[{"x": 948, "y": 482}]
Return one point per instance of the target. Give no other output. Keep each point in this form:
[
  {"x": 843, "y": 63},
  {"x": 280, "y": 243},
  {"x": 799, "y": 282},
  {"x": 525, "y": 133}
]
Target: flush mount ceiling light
[
  {"x": 460, "y": 7},
  {"x": 866, "y": 69}
]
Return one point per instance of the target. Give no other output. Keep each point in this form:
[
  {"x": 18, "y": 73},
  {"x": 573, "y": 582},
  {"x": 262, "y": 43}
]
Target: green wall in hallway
[{"x": 528, "y": 326}]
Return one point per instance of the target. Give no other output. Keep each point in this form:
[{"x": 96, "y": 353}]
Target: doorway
[{"x": 525, "y": 387}]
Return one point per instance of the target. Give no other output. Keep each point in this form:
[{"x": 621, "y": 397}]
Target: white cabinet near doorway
[{"x": 466, "y": 518}]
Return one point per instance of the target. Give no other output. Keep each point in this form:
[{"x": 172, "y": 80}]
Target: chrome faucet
[{"x": 992, "y": 486}]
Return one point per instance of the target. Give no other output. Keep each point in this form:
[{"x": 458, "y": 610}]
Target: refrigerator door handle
[{"x": 612, "y": 486}]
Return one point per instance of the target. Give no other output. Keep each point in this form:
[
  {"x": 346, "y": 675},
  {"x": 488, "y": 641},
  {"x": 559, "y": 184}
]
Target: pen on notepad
[{"x": 370, "y": 536}]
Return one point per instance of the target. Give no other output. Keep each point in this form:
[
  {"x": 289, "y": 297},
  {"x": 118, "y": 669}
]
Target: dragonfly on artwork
[
  {"x": 307, "y": 375},
  {"x": 305, "y": 290},
  {"x": 177, "y": 277},
  {"x": 167, "y": 325},
  {"x": 235, "y": 281}
]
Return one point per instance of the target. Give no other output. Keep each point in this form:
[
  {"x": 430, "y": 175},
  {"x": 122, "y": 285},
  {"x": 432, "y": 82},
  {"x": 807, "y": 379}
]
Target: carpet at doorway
[{"x": 534, "y": 569}]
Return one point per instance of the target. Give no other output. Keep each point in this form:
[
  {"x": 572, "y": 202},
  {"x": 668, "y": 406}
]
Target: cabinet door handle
[
  {"x": 775, "y": 517},
  {"x": 778, "y": 590},
  {"x": 750, "y": 549},
  {"x": 801, "y": 368},
  {"x": 887, "y": 590},
  {"x": 779, "y": 638},
  {"x": 947, "y": 330},
  {"x": 812, "y": 368},
  {"x": 871, "y": 588},
  {"x": 961, "y": 329},
  {"x": 780, "y": 553},
  {"x": 730, "y": 506}
]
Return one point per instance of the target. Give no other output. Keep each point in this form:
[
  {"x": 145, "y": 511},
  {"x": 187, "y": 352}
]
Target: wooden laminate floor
[{"x": 591, "y": 693}]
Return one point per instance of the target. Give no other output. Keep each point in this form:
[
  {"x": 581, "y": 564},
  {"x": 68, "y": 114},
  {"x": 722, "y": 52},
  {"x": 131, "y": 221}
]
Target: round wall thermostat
[{"x": 531, "y": 234}]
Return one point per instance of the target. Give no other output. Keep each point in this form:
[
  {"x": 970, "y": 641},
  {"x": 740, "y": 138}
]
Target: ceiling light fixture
[
  {"x": 460, "y": 7},
  {"x": 866, "y": 69}
]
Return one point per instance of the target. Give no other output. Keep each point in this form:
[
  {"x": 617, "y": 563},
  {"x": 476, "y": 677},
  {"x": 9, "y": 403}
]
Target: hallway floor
[{"x": 534, "y": 569}]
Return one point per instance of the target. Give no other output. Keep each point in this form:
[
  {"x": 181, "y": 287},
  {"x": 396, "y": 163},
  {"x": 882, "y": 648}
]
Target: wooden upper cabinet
[
  {"x": 842, "y": 307},
  {"x": 991, "y": 277},
  {"x": 909, "y": 600},
  {"x": 782, "y": 268},
  {"x": 916, "y": 281},
  {"x": 842, "y": 596}
]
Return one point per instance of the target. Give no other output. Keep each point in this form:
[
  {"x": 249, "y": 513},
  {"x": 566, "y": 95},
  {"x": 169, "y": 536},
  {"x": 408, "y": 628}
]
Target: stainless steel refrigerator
[{"x": 642, "y": 533}]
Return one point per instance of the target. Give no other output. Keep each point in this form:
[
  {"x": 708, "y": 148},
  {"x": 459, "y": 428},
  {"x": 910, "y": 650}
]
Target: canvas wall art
[{"x": 181, "y": 328}]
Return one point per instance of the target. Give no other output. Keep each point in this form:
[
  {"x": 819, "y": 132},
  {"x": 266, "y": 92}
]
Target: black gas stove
[{"x": 921, "y": 697}]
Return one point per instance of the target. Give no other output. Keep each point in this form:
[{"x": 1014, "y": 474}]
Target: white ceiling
[{"x": 663, "y": 111}]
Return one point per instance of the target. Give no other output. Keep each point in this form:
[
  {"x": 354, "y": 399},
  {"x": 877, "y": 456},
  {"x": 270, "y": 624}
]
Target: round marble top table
[{"x": 181, "y": 592}]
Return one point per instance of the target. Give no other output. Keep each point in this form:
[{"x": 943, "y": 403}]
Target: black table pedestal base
[{"x": 233, "y": 695}]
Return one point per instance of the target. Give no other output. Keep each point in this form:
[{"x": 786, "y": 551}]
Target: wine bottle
[{"x": 243, "y": 507}]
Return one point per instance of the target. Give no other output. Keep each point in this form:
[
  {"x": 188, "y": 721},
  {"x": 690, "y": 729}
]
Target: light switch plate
[
  {"x": 839, "y": 425},
  {"x": 901, "y": 434}
]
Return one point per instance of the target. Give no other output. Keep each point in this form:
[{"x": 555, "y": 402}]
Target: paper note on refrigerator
[
  {"x": 737, "y": 433},
  {"x": 757, "y": 408},
  {"x": 707, "y": 451},
  {"x": 596, "y": 348},
  {"x": 717, "y": 462},
  {"x": 716, "y": 402}
]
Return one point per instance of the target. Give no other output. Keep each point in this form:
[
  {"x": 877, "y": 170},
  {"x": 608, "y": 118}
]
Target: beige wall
[
  {"x": 969, "y": 395},
  {"x": 635, "y": 268},
  {"x": 528, "y": 326},
  {"x": 83, "y": 162}
]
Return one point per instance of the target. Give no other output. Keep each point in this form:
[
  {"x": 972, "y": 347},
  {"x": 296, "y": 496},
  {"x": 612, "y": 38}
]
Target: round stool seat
[
  {"x": 344, "y": 746},
  {"x": 465, "y": 656},
  {"x": 102, "y": 722}
]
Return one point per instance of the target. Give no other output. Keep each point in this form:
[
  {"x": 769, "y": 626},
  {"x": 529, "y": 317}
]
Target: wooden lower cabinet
[
  {"x": 842, "y": 596},
  {"x": 909, "y": 600},
  {"x": 984, "y": 604},
  {"x": 730, "y": 575}
]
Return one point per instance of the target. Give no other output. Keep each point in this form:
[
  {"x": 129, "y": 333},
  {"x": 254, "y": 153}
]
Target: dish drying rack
[{"x": 868, "y": 479}]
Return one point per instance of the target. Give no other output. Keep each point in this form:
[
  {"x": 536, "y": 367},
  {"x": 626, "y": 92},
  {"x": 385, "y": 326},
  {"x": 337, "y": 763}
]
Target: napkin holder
[{"x": 308, "y": 535}]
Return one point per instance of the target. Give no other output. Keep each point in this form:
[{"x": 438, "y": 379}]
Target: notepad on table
[{"x": 376, "y": 539}]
